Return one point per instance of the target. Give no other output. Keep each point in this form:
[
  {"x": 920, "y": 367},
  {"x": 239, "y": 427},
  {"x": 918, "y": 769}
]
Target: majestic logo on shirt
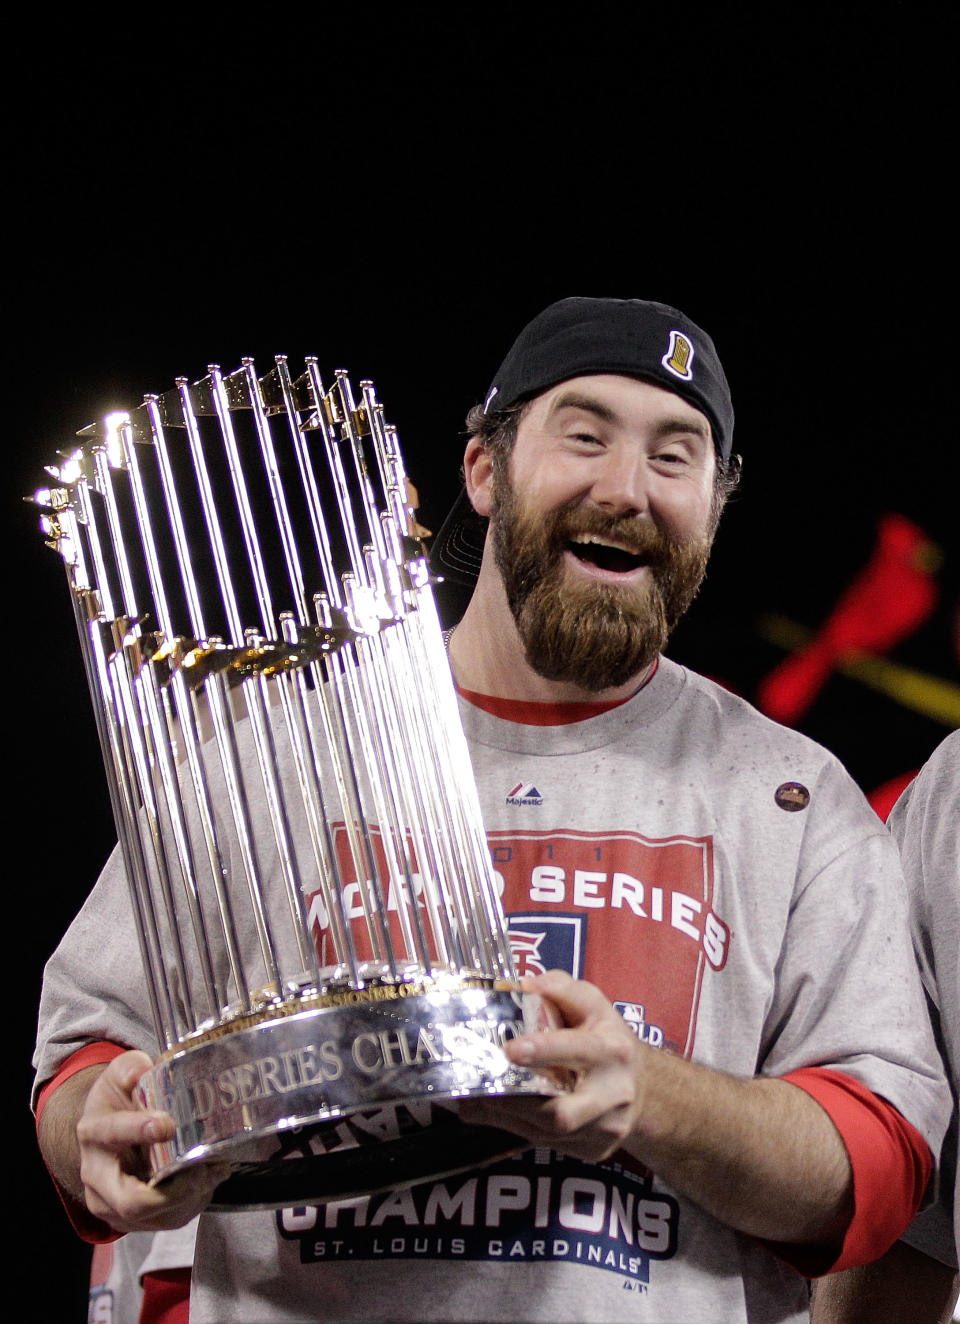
[
  {"x": 679, "y": 356},
  {"x": 524, "y": 795}
]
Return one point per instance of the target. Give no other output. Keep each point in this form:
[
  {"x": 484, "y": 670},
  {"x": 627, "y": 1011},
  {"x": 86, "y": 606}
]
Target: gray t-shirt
[
  {"x": 726, "y": 885},
  {"x": 926, "y": 823}
]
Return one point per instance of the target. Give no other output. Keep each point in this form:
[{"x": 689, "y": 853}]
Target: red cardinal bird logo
[{"x": 889, "y": 599}]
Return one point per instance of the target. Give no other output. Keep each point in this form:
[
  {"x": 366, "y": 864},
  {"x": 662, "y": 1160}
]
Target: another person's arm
[{"x": 903, "y": 1287}]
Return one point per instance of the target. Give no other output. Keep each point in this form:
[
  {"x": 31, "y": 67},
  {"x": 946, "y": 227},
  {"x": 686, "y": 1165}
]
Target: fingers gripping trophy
[{"x": 312, "y": 892}]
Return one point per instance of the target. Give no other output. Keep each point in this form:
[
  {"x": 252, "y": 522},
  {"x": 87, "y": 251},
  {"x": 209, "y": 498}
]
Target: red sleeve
[
  {"x": 891, "y": 1165},
  {"x": 87, "y": 1056},
  {"x": 84, "y": 1224},
  {"x": 166, "y": 1297}
]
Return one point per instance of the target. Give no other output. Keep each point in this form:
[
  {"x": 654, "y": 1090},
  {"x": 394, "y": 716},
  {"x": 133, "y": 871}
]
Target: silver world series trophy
[{"x": 320, "y": 931}]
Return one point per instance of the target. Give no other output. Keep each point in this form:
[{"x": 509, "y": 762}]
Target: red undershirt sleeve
[
  {"x": 84, "y": 1224},
  {"x": 891, "y": 1165},
  {"x": 166, "y": 1297}
]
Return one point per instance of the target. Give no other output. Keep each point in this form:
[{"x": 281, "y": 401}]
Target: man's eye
[
  {"x": 673, "y": 457},
  {"x": 587, "y": 438}
]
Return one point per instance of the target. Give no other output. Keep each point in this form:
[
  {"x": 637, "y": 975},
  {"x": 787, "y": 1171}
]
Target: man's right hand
[{"x": 94, "y": 1135}]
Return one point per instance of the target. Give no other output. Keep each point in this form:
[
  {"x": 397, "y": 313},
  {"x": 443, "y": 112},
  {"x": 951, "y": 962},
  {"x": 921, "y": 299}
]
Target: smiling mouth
[{"x": 604, "y": 554}]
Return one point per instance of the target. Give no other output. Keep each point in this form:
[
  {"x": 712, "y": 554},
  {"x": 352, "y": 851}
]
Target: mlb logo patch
[
  {"x": 634, "y": 1013},
  {"x": 540, "y": 943}
]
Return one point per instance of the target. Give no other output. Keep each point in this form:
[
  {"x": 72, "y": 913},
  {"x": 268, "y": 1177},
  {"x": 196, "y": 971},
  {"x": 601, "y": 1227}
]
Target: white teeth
[{"x": 600, "y": 542}]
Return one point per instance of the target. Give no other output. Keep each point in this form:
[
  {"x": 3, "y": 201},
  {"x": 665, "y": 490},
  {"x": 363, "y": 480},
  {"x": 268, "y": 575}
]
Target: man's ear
[{"x": 478, "y": 476}]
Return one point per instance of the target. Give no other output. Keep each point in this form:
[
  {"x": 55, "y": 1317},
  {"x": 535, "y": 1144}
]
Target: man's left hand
[{"x": 597, "y": 1050}]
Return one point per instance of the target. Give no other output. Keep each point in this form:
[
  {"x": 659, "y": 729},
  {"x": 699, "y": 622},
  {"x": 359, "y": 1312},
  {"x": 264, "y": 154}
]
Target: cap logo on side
[{"x": 679, "y": 356}]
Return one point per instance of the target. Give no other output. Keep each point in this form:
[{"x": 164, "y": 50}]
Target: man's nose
[{"x": 621, "y": 482}]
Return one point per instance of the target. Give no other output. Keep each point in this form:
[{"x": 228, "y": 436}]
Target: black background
[{"x": 397, "y": 190}]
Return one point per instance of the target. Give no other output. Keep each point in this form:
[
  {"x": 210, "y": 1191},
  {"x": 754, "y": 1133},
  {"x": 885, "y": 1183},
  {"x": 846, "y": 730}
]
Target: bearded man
[{"x": 704, "y": 896}]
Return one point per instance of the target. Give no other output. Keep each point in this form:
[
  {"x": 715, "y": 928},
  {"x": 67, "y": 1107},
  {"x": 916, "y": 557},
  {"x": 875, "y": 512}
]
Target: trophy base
[
  {"x": 443, "y": 1149},
  {"x": 326, "y": 1097}
]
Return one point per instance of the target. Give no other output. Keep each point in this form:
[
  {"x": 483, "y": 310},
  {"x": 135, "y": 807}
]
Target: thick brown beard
[{"x": 594, "y": 636}]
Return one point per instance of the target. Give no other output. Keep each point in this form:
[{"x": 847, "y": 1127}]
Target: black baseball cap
[{"x": 574, "y": 338}]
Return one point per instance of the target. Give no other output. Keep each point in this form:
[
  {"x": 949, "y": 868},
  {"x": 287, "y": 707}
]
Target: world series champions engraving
[{"x": 309, "y": 875}]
